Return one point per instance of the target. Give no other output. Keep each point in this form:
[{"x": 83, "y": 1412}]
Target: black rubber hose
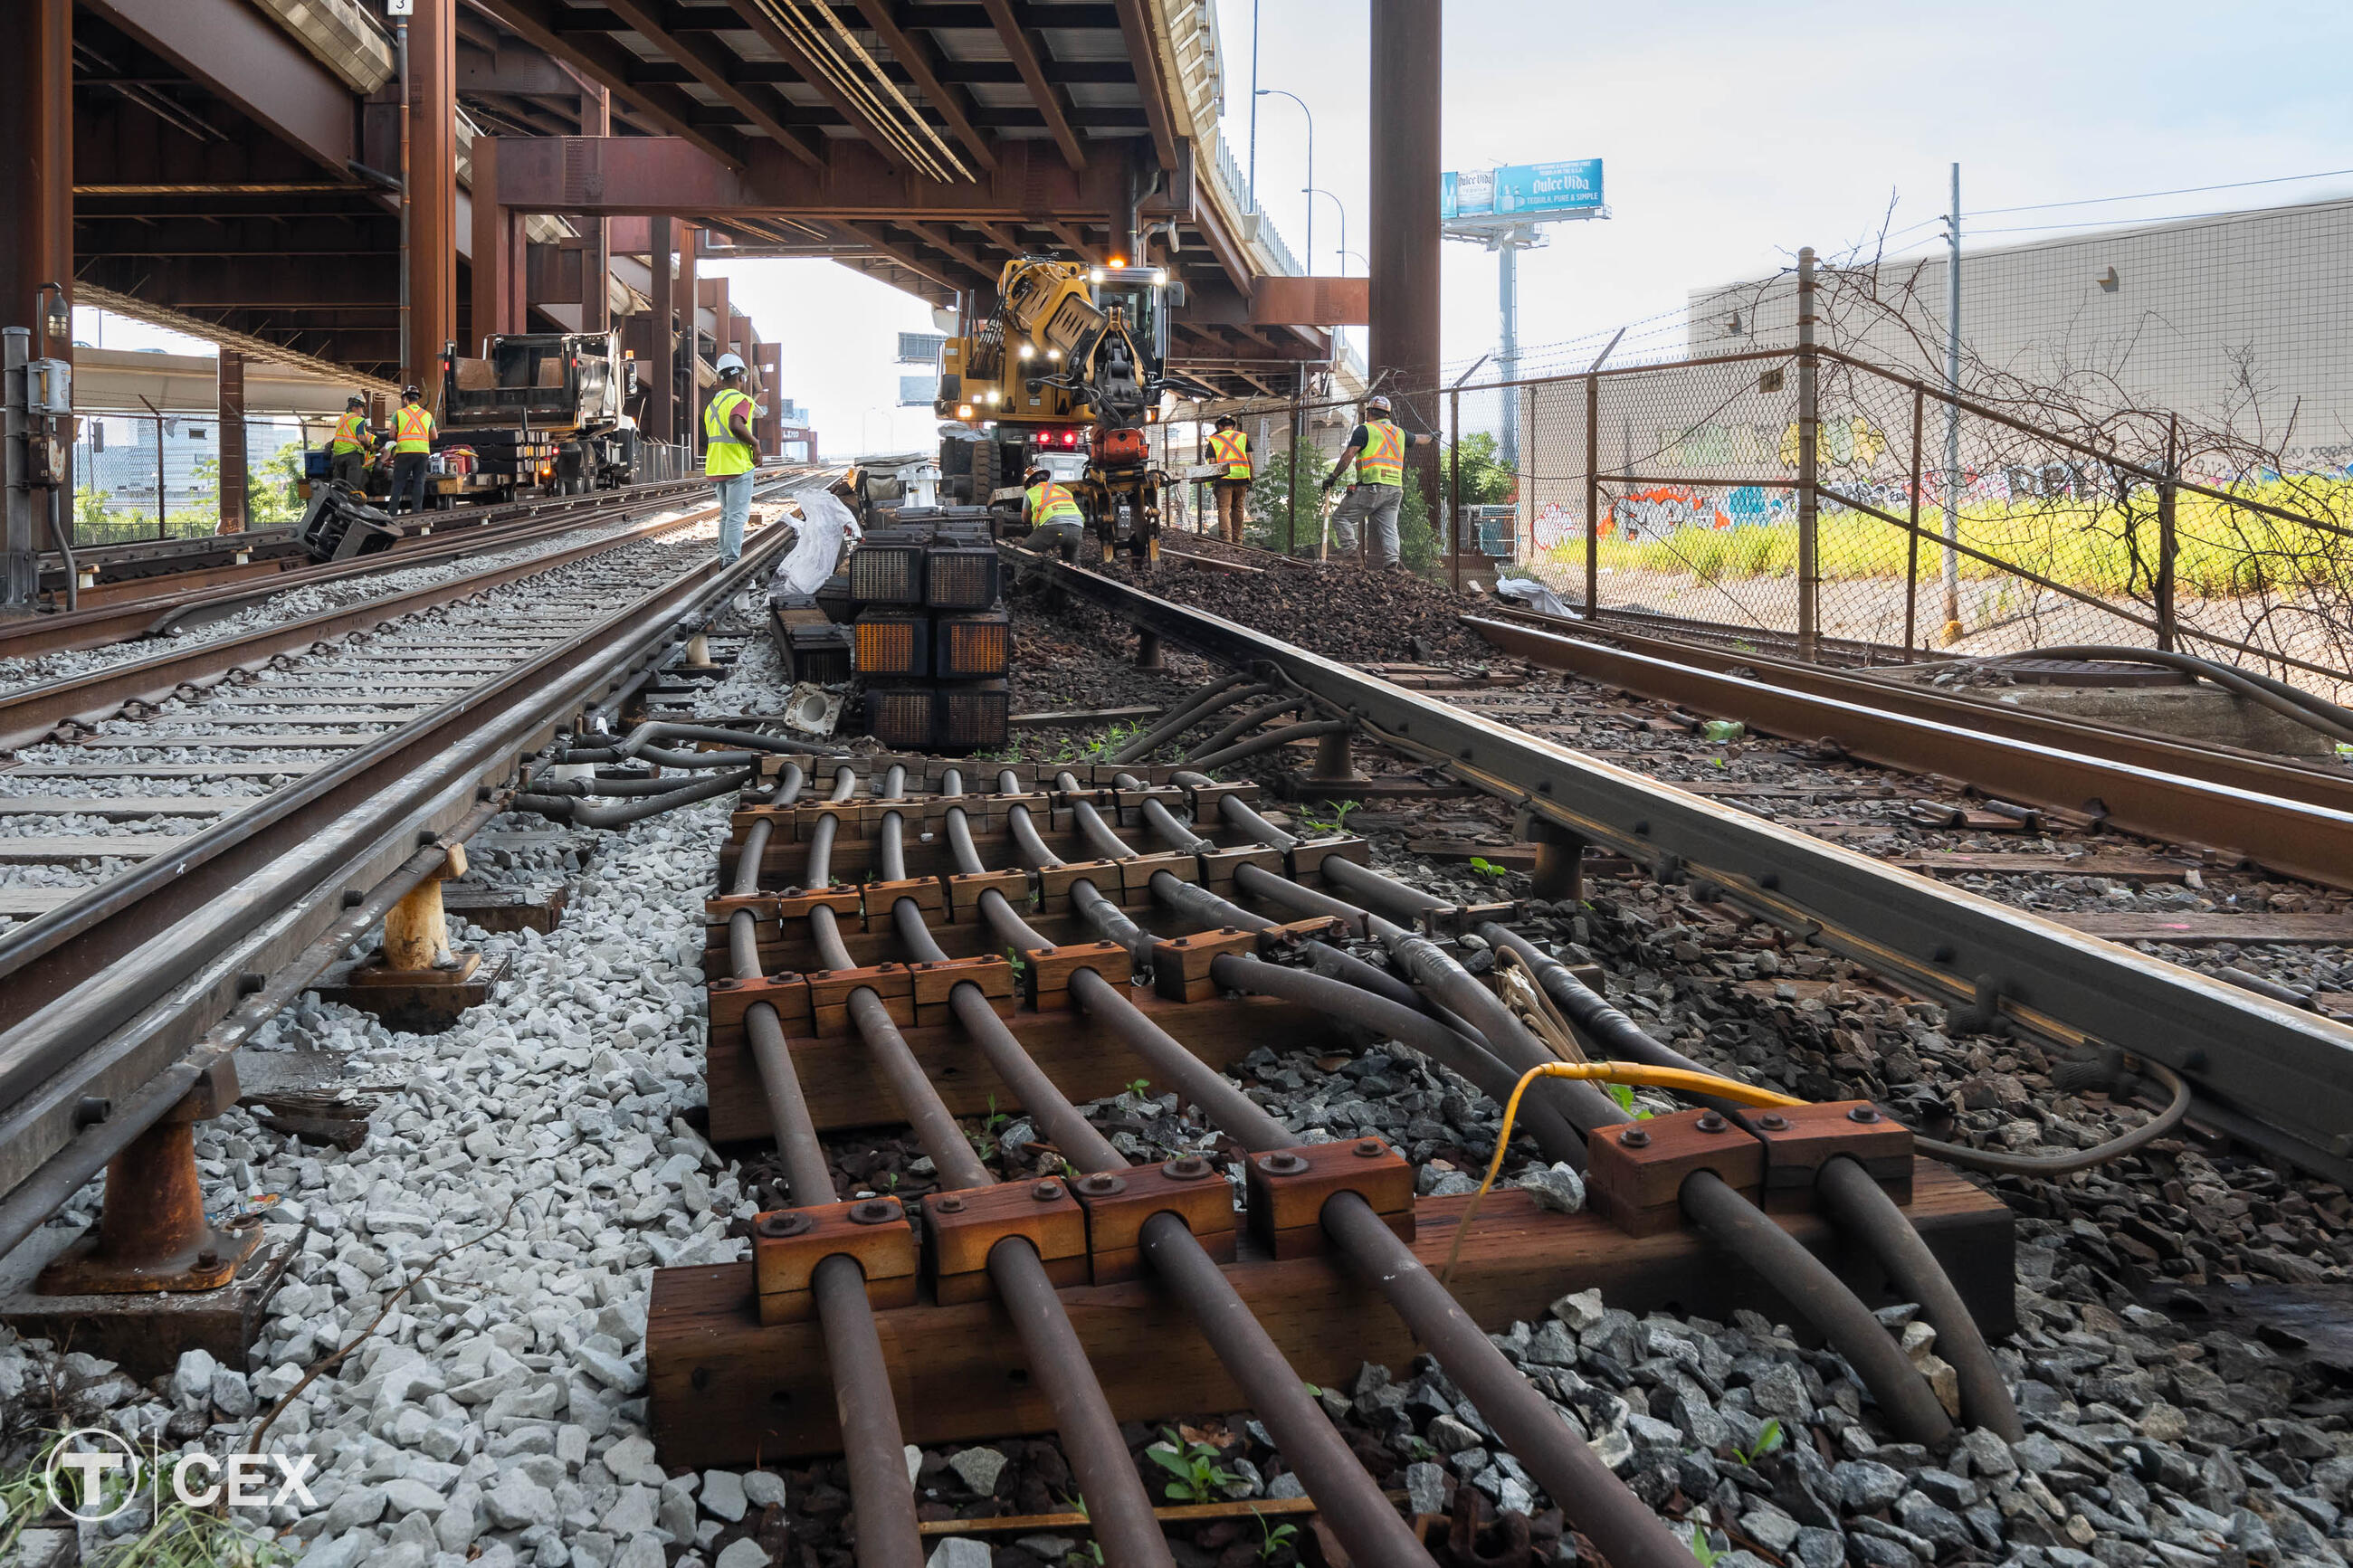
[
  {"x": 583, "y": 814},
  {"x": 1218, "y": 694},
  {"x": 1268, "y": 739},
  {"x": 1250, "y": 719}
]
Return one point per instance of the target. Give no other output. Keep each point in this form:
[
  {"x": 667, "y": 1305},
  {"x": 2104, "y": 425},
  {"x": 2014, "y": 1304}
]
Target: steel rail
[
  {"x": 2276, "y": 1077},
  {"x": 1682, "y": 673},
  {"x": 28, "y": 716},
  {"x": 103, "y": 993},
  {"x": 122, "y": 618}
]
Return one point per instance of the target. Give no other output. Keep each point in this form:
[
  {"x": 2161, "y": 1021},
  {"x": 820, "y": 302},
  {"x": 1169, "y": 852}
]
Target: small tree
[{"x": 1270, "y": 499}]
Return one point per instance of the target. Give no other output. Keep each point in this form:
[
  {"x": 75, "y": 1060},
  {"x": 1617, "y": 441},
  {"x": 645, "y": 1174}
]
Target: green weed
[{"x": 1195, "y": 1466}]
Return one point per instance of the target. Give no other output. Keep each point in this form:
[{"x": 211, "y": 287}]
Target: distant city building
[{"x": 117, "y": 455}]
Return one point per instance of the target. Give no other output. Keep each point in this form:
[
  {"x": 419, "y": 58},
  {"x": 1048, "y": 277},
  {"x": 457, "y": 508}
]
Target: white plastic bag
[{"x": 825, "y": 523}]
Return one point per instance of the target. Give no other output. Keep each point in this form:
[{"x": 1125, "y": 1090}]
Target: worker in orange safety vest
[
  {"x": 412, "y": 451},
  {"x": 1230, "y": 451}
]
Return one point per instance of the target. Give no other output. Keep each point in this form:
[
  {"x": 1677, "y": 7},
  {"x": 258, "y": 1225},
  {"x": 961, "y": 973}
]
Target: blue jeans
[{"x": 735, "y": 511}]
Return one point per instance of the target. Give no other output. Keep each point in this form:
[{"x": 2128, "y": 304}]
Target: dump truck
[
  {"x": 1073, "y": 362},
  {"x": 541, "y": 411}
]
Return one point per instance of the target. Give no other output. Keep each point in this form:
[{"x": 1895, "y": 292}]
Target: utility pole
[
  {"x": 1508, "y": 244},
  {"x": 1952, "y": 630}
]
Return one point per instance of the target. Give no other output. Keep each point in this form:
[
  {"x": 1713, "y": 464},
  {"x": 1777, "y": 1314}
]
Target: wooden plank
[
  {"x": 1074, "y": 717},
  {"x": 1513, "y": 857},
  {"x": 59, "y": 849},
  {"x": 2116, "y": 868},
  {"x": 122, "y": 808},
  {"x": 163, "y": 770},
  {"x": 724, "y": 1390},
  {"x": 322, "y": 741},
  {"x": 24, "y": 903},
  {"x": 2198, "y": 928}
]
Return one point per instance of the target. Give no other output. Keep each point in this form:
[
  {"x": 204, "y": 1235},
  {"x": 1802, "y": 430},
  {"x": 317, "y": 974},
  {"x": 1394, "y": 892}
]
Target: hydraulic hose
[
  {"x": 1218, "y": 694},
  {"x": 582, "y": 814},
  {"x": 1268, "y": 739},
  {"x": 1250, "y": 719}
]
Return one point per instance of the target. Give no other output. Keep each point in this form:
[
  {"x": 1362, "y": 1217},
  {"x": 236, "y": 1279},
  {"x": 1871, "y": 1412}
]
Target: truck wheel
[{"x": 986, "y": 466}]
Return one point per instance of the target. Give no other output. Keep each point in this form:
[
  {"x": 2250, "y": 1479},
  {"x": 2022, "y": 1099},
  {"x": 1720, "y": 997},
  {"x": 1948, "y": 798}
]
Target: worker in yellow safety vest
[
  {"x": 1230, "y": 451},
  {"x": 348, "y": 449},
  {"x": 1057, "y": 522},
  {"x": 729, "y": 452},
  {"x": 412, "y": 450},
  {"x": 1375, "y": 452}
]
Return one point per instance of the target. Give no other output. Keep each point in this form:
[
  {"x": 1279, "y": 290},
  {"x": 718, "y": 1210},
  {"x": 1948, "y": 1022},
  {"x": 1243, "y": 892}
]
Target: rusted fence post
[
  {"x": 1911, "y": 542},
  {"x": 2166, "y": 491},
  {"x": 1454, "y": 480},
  {"x": 1290, "y": 522},
  {"x": 1592, "y": 497},
  {"x": 1809, "y": 476}
]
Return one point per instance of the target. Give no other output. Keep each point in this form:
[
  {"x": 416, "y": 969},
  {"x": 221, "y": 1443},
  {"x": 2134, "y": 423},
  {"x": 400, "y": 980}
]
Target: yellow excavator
[{"x": 1070, "y": 366}]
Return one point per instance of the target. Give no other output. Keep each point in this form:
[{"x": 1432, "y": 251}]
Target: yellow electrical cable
[{"x": 1635, "y": 1073}]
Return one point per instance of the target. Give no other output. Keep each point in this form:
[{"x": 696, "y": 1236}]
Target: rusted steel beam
[
  {"x": 1405, "y": 53},
  {"x": 1144, "y": 54},
  {"x": 710, "y": 61},
  {"x": 596, "y": 262},
  {"x": 237, "y": 51},
  {"x": 662, "y": 359},
  {"x": 1024, "y": 52},
  {"x": 542, "y": 23},
  {"x": 230, "y": 380},
  {"x": 880, "y": 134},
  {"x": 922, "y": 67},
  {"x": 625, "y": 175}
]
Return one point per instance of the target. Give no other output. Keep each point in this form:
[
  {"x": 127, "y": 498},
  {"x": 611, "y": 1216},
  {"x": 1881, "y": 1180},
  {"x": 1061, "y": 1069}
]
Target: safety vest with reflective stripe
[
  {"x": 351, "y": 434},
  {"x": 723, "y": 454},
  {"x": 1381, "y": 459},
  {"x": 1231, "y": 447},
  {"x": 412, "y": 431},
  {"x": 1050, "y": 502}
]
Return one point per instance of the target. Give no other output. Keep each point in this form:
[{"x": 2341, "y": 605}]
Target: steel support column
[
  {"x": 1407, "y": 38},
  {"x": 36, "y": 247},
  {"x": 433, "y": 192},
  {"x": 597, "y": 256},
  {"x": 690, "y": 408},
  {"x": 500, "y": 266},
  {"x": 661, "y": 372},
  {"x": 229, "y": 380}
]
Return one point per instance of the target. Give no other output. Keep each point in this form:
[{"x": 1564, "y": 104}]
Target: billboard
[{"x": 1522, "y": 193}]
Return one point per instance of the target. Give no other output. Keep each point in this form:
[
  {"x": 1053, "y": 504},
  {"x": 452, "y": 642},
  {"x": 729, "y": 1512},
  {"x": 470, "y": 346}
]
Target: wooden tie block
[
  {"x": 1106, "y": 775},
  {"x": 1130, "y": 803},
  {"x": 831, "y": 989},
  {"x": 1054, "y": 882},
  {"x": 795, "y": 903},
  {"x": 966, "y": 1224},
  {"x": 1119, "y": 1202},
  {"x": 1635, "y": 1172},
  {"x": 1289, "y": 1187},
  {"x": 1207, "y": 812},
  {"x": 718, "y": 912},
  {"x": 1799, "y": 1140},
  {"x": 882, "y": 899},
  {"x": 987, "y": 812},
  {"x": 1294, "y": 935},
  {"x": 935, "y": 983},
  {"x": 1308, "y": 858},
  {"x": 1218, "y": 866},
  {"x": 1136, "y": 871},
  {"x": 849, "y": 817},
  {"x": 1067, "y": 801},
  {"x": 1046, "y": 971},
  {"x": 788, "y": 1244},
  {"x": 1180, "y": 965},
  {"x": 965, "y": 888},
  {"x": 729, "y": 1000}
]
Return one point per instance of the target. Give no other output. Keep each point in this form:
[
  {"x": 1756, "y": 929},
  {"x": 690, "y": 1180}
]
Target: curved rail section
[
  {"x": 99, "y": 996},
  {"x": 2276, "y": 1077}
]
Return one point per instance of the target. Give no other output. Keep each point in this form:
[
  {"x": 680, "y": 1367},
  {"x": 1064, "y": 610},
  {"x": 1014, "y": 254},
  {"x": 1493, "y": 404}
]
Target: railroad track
[
  {"x": 206, "y": 815},
  {"x": 2268, "y": 1070},
  {"x": 158, "y": 604},
  {"x": 146, "y": 569}
]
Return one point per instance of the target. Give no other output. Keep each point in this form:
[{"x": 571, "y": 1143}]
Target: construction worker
[
  {"x": 1056, "y": 520},
  {"x": 1377, "y": 489},
  {"x": 1230, "y": 451},
  {"x": 412, "y": 447},
  {"x": 348, "y": 451},
  {"x": 729, "y": 452}
]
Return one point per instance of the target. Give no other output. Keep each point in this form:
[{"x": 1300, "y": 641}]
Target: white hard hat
[{"x": 729, "y": 362}]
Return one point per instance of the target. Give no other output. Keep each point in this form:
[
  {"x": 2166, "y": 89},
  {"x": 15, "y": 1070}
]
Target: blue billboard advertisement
[{"x": 1521, "y": 192}]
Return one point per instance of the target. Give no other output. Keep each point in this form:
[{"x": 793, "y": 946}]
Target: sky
[{"x": 1731, "y": 135}]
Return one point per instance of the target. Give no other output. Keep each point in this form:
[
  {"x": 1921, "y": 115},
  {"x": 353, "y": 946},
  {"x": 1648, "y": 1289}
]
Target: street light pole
[
  {"x": 1253, "y": 114},
  {"x": 1278, "y": 92},
  {"x": 1320, "y": 191}
]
